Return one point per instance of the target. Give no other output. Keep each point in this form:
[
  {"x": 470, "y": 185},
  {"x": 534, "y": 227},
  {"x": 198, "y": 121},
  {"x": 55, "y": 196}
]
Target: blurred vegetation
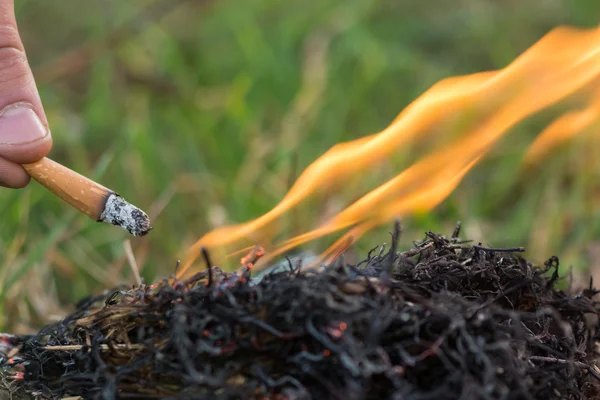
[{"x": 201, "y": 112}]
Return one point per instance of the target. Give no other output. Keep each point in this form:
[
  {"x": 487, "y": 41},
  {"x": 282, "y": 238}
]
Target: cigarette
[{"x": 94, "y": 200}]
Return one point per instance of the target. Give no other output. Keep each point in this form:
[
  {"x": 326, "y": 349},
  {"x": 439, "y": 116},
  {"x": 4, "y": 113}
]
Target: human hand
[{"x": 24, "y": 134}]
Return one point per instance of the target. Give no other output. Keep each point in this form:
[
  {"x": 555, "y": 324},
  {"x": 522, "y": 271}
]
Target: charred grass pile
[{"x": 443, "y": 320}]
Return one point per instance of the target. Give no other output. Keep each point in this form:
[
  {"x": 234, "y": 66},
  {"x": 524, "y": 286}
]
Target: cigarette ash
[
  {"x": 443, "y": 320},
  {"x": 119, "y": 212}
]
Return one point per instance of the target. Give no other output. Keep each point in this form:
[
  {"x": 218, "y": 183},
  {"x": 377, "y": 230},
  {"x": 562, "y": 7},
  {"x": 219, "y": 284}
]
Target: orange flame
[
  {"x": 562, "y": 129},
  {"x": 563, "y": 62}
]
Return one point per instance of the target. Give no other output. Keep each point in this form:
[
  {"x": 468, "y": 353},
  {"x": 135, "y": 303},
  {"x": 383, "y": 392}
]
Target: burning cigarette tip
[
  {"x": 119, "y": 212},
  {"x": 94, "y": 200}
]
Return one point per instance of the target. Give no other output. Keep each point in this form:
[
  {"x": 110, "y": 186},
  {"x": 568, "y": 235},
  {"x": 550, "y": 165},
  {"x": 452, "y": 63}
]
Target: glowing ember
[
  {"x": 252, "y": 257},
  {"x": 488, "y": 104}
]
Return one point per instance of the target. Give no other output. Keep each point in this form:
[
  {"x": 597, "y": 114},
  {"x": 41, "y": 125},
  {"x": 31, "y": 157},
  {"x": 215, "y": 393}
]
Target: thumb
[{"x": 24, "y": 133}]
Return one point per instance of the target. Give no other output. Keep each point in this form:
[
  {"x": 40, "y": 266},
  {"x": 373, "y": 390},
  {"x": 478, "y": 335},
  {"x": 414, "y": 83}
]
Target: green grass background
[{"x": 200, "y": 112}]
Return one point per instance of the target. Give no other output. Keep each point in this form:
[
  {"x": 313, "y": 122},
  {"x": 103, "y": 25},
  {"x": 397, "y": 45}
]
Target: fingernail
[{"x": 20, "y": 124}]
